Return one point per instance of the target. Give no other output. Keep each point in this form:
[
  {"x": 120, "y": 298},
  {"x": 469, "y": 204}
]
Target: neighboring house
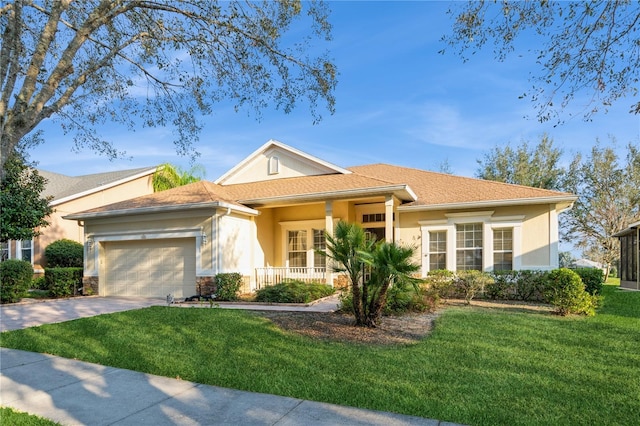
[
  {"x": 586, "y": 263},
  {"x": 630, "y": 256},
  {"x": 266, "y": 218},
  {"x": 75, "y": 193}
]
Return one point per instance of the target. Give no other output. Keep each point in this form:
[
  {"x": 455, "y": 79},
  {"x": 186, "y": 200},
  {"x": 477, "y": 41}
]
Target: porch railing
[{"x": 270, "y": 276}]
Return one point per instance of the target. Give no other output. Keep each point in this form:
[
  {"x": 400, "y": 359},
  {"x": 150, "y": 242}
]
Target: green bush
[
  {"x": 470, "y": 283},
  {"x": 441, "y": 283},
  {"x": 15, "y": 280},
  {"x": 529, "y": 285},
  {"x": 592, "y": 278},
  {"x": 566, "y": 292},
  {"x": 502, "y": 287},
  {"x": 64, "y": 254},
  {"x": 228, "y": 286},
  {"x": 63, "y": 282},
  {"x": 39, "y": 283},
  {"x": 293, "y": 291}
]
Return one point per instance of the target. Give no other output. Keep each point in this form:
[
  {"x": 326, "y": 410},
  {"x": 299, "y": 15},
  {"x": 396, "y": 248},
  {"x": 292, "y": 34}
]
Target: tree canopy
[
  {"x": 586, "y": 47},
  {"x": 608, "y": 202},
  {"x": 168, "y": 176},
  {"x": 147, "y": 63},
  {"x": 22, "y": 209},
  {"x": 538, "y": 166}
]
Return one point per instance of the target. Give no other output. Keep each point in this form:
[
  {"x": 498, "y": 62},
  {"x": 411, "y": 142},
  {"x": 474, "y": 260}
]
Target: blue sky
[{"x": 398, "y": 101}]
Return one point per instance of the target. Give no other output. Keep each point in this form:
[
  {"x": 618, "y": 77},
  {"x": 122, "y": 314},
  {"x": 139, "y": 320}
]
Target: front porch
[{"x": 274, "y": 275}]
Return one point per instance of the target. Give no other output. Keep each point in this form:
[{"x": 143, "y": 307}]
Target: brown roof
[
  {"x": 431, "y": 189},
  {"x": 202, "y": 192},
  {"x": 439, "y": 188}
]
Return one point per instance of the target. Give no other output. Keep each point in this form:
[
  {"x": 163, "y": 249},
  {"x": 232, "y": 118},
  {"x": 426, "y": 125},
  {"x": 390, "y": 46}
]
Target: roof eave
[
  {"x": 628, "y": 230},
  {"x": 569, "y": 200},
  {"x": 162, "y": 209},
  {"x": 401, "y": 191}
]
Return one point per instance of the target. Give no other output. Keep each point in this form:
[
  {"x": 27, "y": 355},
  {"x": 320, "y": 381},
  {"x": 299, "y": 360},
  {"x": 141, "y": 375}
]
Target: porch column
[
  {"x": 328, "y": 226},
  {"x": 328, "y": 217},
  {"x": 388, "y": 221}
]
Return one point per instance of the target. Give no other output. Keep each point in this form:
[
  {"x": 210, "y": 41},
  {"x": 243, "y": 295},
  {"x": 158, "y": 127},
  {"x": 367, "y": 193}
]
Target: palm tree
[
  {"x": 345, "y": 248},
  {"x": 168, "y": 176},
  {"x": 352, "y": 252},
  {"x": 391, "y": 264}
]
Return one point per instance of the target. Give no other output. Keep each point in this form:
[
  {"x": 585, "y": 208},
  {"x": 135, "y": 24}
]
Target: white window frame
[
  {"x": 429, "y": 252},
  {"x": 489, "y": 222},
  {"x": 8, "y": 243},
  {"x": 505, "y": 228},
  {"x": 19, "y": 250},
  {"x": 302, "y": 225}
]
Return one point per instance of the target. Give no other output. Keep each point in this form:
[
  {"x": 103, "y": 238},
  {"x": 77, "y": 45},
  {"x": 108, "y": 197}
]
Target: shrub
[
  {"x": 293, "y": 291},
  {"x": 441, "y": 282},
  {"x": 39, "y": 283},
  {"x": 469, "y": 283},
  {"x": 64, "y": 254},
  {"x": 63, "y": 282},
  {"x": 228, "y": 286},
  {"x": 592, "y": 278},
  {"x": 503, "y": 285},
  {"x": 529, "y": 285},
  {"x": 15, "y": 279},
  {"x": 564, "y": 290}
]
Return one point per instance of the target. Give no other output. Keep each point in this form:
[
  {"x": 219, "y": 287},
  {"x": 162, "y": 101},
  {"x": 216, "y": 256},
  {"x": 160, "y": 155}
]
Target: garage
[{"x": 150, "y": 268}]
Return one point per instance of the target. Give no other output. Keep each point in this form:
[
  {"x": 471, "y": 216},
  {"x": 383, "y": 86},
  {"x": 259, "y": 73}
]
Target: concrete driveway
[{"x": 34, "y": 313}]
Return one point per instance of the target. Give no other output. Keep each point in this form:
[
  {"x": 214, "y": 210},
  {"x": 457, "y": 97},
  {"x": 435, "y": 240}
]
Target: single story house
[
  {"x": 267, "y": 216},
  {"x": 630, "y": 257},
  {"x": 76, "y": 193}
]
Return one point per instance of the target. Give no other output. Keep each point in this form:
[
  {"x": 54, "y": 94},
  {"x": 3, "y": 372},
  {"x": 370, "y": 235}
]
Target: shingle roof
[
  {"x": 423, "y": 189},
  {"x": 202, "y": 192},
  {"x": 439, "y": 188},
  {"x": 61, "y": 186}
]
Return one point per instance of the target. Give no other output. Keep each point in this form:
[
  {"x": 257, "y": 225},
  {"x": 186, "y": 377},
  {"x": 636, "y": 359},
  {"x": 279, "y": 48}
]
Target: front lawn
[{"x": 479, "y": 365}]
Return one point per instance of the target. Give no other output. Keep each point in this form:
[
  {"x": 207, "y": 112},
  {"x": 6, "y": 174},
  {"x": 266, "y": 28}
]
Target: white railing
[{"x": 270, "y": 276}]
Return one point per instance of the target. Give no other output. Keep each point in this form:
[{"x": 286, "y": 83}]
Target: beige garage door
[{"x": 151, "y": 268}]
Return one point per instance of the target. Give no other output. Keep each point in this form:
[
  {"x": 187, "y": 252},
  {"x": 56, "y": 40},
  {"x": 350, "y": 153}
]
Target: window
[
  {"x": 297, "y": 248},
  {"x": 374, "y": 217},
  {"x": 503, "y": 249},
  {"x": 4, "y": 251},
  {"x": 437, "y": 250},
  {"x": 25, "y": 250},
  {"x": 319, "y": 243},
  {"x": 377, "y": 234},
  {"x": 469, "y": 246}
]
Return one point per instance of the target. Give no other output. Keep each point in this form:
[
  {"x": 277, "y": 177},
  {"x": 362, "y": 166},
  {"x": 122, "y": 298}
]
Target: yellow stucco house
[
  {"x": 76, "y": 193},
  {"x": 266, "y": 218}
]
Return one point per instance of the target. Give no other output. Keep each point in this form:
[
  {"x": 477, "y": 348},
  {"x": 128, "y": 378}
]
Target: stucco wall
[
  {"x": 60, "y": 228},
  {"x": 536, "y": 241}
]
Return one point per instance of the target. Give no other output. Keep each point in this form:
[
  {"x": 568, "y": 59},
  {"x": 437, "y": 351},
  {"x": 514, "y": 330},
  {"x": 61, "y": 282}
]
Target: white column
[
  {"x": 328, "y": 225},
  {"x": 388, "y": 222}
]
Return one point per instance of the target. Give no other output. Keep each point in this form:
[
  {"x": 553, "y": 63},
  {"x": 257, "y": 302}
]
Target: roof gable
[
  {"x": 65, "y": 188},
  {"x": 275, "y": 160}
]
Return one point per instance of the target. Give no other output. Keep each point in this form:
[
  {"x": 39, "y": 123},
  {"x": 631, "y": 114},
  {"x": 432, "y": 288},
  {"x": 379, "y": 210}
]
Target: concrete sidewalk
[{"x": 79, "y": 393}]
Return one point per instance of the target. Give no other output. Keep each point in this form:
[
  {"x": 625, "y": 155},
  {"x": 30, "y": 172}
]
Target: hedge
[
  {"x": 15, "y": 280},
  {"x": 63, "y": 282}
]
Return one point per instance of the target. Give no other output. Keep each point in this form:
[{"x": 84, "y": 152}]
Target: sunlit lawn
[{"x": 479, "y": 365}]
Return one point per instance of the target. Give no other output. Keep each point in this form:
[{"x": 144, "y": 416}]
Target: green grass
[
  {"x": 11, "y": 417},
  {"x": 479, "y": 366}
]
